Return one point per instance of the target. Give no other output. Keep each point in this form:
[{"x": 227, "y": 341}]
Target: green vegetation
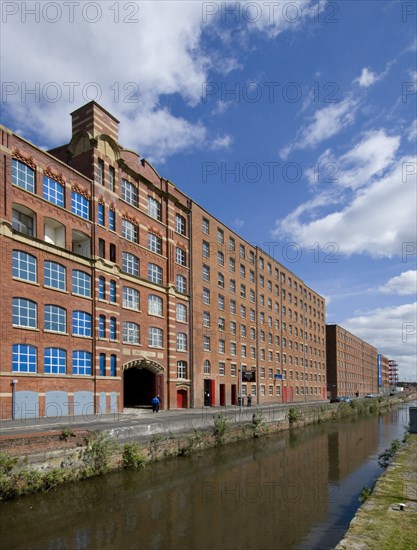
[
  {"x": 294, "y": 415},
  {"x": 259, "y": 426},
  {"x": 221, "y": 426},
  {"x": 97, "y": 454},
  {"x": 66, "y": 434},
  {"x": 365, "y": 494},
  {"x": 385, "y": 457},
  {"x": 133, "y": 456}
]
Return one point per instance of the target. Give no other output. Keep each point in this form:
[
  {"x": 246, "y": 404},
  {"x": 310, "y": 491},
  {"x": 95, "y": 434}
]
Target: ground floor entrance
[{"x": 142, "y": 380}]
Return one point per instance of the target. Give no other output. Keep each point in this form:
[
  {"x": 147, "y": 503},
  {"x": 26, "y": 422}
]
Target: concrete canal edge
[
  {"x": 41, "y": 461},
  {"x": 388, "y": 518}
]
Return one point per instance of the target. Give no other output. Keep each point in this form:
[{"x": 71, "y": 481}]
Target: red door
[
  {"x": 212, "y": 393},
  {"x": 284, "y": 394},
  {"x": 291, "y": 394},
  {"x": 234, "y": 393},
  {"x": 181, "y": 399}
]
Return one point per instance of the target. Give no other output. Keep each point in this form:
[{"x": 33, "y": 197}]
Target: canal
[{"x": 294, "y": 490}]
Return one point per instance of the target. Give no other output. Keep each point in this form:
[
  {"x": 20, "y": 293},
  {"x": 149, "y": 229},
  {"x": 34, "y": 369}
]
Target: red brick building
[
  {"x": 352, "y": 364},
  {"x": 105, "y": 302}
]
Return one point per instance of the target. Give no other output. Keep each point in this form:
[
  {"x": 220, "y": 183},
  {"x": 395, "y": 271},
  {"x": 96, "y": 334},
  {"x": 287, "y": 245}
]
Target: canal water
[{"x": 294, "y": 490}]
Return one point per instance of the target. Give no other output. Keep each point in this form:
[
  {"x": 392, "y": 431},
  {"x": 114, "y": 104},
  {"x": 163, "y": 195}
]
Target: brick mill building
[
  {"x": 352, "y": 364},
  {"x": 116, "y": 286}
]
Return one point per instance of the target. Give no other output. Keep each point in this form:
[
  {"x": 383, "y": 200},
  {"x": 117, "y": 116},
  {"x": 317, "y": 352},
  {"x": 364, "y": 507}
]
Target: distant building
[
  {"x": 115, "y": 286},
  {"x": 393, "y": 372},
  {"x": 383, "y": 374},
  {"x": 352, "y": 364}
]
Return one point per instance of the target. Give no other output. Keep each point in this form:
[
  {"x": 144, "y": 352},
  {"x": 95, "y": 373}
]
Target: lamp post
[{"x": 14, "y": 382}]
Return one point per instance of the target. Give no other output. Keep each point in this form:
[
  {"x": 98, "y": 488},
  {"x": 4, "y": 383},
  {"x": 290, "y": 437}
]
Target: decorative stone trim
[
  {"x": 81, "y": 191},
  {"x": 155, "y": 231},
  {"x": 129, "y": 218},
  {"x": 48, "y": 172},
  {"x": 101, "y": 200},
  {"x": 26, "y": 159}
]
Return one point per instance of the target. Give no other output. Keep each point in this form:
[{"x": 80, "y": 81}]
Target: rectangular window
[
  {"x": 112, "y": 178},
  {"x": 155, "y": 337},
  {"x": 130, "y": 297},
  {"x": 81, "y": 323},
  {"x": 180, "y": 226},
  {"x": 206, "y": 249},
  {"x": 24, "y": 313},
  {"x": 221, "y": 302},
  {"x": 23, "y": 223},
  {"x": 112, "y": 292},
  {"x": 130, "y": 264},
  {"x": 102, "y": 364},
  {"x": 222, "y": 368},
  {"x": 205, "y": 226},
  {"x": 154, "y": 243},
  {"x": 24, "y": 266},
  {"x": 100, "y": 172},
  {"x": 53, "y": 191},
  {"x": 23, "y": 176},
  {"x": 155, "y": 273},
  {"x": 181, "y": 284},
  {"x": 155, "y": 305},
  {"x": 112, "y": 328},
  {"x": 220, "y": 236},
  {"x": 81, "y": 283},
  {"x": 180, "y": 256},
  {"x": 181, "y": 341},
  {"x": 55, "y": 361},
  {"x": 220, "y": 258},
  {"x": 81, "y": 363},
  {"x": 24, "y": 358},
  {"x": 206, "y": 273},
  {"x": 80, "y": 205},
  {"x": 206, "y": 296},
  {"x": 154, "y": 209},
  {"x": 181, "y": 313},
  {"x": 112, "y": 220},
  {"x": 181, "y": 369},
  {"x": 100, "y": 214},
  {"x": 113, "y": 365},
  {"x": 129, "y": 231},
  {"x": 55, "y": 318},
  {"x": 55, "y": 275},
  {"x": 131, "y": 333},
  {"x": 232, "y": 265},
  {"x": 232, "y": 244},
  {"x": 129, "y": 193}
]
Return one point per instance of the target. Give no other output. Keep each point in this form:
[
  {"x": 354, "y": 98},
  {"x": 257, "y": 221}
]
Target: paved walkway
[{"x": 133, "y": 417}]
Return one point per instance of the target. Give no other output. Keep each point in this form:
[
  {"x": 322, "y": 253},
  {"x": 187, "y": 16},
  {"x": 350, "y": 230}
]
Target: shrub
[
  {"x": 133, "y": 456},
  {"x": 66, "y": 434},
  {"x": 7, "y": 463},
  {"x": 259, "y": 425},
  {"x": 221, "y": 426},
  {"x": 365, "y": 494},
  {"x": 96, "y": 455},
  {"x": 385, "y": 457},
  {"x": 294, "y": 415}
]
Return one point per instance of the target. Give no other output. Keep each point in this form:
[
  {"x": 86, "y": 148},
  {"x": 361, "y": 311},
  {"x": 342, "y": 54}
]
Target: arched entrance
[{"x": 142, "y": 380}]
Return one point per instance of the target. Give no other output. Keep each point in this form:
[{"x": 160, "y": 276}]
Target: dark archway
[
  {"x": 142, "y": 380},
  {"x": 139, "y": 387}
]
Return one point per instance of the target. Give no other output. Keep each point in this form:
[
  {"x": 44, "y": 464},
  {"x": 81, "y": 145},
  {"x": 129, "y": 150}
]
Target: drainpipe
[
  {"x": 14, "y": 383},
  {"x": 191, "y": 308}
]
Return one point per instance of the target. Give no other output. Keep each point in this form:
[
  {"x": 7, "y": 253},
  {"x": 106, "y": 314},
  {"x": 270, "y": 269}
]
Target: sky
[{"x": 293, "y": 122}]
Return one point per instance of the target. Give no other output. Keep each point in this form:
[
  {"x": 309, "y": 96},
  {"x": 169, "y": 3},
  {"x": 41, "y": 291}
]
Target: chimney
[{"x": 94, "y": 119}]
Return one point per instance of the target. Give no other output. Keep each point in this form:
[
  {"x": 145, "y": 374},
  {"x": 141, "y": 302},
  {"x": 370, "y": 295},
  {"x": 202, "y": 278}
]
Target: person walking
[{"x": 155, "y": 403}]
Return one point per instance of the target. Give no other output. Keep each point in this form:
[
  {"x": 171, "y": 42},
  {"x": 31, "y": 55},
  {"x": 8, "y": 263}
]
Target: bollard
[{"x": 413, "y": 420}]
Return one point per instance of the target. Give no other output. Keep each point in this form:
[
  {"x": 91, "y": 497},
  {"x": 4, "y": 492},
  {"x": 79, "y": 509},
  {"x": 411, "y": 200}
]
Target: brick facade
[{"x": 123, "y": 315}]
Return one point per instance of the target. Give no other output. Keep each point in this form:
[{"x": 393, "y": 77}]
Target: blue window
[
  {"x": 154, "y": 273},
  {"x": 102, "y": 326},
  {"x": 55, "y": 361},
  {"x": 23, "y": 175},
  {"x": 53, "y": 191},
  {"x": 112, "y": 328},
  {"x": 112, "y": 220},
  {"x": 102, "y": 288},
  {"x": 81, "y": 283},
  {"x": 130, "y": 264},
  {"x": 112, "y": 291},
  {"x": 113, "y": 364},
  {"x": 24, "y": 358},
  {"x": 81, "y": 362},
  {"x": 81, "y": 323},
  {"x": 102, "y": 364},
  {"x": 100, "y": 214},
  {"x": 129, "y": 193},
  {"x": 24, "y": 313},
  {"x": 80, "y": 205},
  {"x": 55, "y": 318},
  {"x": 55, "y": 276},
  {"x": 24, "y": 266}
]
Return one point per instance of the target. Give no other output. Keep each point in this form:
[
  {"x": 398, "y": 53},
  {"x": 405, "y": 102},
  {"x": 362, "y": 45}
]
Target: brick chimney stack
[{"x": 94, "y": 119}]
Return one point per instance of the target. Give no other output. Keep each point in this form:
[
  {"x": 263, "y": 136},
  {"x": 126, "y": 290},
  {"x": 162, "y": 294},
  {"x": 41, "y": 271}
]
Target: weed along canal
[{"x": 297, "y": 489}]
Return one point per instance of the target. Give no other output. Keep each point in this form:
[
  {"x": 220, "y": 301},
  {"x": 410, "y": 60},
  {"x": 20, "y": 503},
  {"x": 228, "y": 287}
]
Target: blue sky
[{"x": 294, "y": 122}]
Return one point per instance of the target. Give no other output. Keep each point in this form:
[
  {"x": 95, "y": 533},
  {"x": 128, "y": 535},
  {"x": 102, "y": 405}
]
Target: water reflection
[{"x": 298, "y": 489}]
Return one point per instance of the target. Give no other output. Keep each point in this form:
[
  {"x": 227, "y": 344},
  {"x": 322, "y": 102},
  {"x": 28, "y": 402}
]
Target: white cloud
[
  {"x": 378, "y": 214},
  {"x": 326, "y": 123},
  {"x": 392, "y": 330},
  {"x": 412, "y": 131},
  {"x": 238, "y": 223},
  {"x": 222, "y": 142},
  {"x": 366, "y": 79},
  {"x": 403, "y": 284}
]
